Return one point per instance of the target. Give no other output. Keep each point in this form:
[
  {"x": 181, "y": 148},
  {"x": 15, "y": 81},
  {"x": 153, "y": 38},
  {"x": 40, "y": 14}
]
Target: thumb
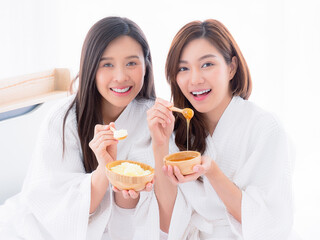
[
  {"x": 198, "y": 169},
  {"x": 206, "y": 162}
]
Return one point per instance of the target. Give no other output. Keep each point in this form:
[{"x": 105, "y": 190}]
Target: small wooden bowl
[
  {"x": 184, "y": 160},
  {"x": 123, "y": 182}
]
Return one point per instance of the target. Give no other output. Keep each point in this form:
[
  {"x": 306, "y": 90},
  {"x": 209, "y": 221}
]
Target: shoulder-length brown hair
[
  {"x": 219, "y": 36},
  {"x": 88, "y": 100}
]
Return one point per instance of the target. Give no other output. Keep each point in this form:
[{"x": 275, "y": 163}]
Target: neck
[
  {"x": 110, "y": 113},
  {"x": 214, "y": 116}
]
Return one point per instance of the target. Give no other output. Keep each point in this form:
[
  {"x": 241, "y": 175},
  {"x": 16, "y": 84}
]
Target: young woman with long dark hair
[
  {"x": 66, "y": 194},
  {"x": 242, "y": 188}
]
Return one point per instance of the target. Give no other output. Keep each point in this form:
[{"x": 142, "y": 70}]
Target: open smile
[
  {"x": 121, "y": 91},
  {"x": 200, "y": 95}
]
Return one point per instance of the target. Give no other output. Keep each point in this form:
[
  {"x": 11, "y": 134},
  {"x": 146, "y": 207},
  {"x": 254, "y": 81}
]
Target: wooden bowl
[
  {"x": 124, "y": 182},
  {"x": 184, "y": 160}
]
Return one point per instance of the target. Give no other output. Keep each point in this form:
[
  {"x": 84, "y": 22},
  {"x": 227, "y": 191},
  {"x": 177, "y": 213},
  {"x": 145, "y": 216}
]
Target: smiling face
[
  {"x": 120, "y": 75},
  {"x": 204, "y": 77}
]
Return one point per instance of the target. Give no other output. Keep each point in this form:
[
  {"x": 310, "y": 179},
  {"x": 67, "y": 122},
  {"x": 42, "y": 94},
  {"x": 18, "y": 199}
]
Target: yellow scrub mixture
[{"x": 130, "y": 169}]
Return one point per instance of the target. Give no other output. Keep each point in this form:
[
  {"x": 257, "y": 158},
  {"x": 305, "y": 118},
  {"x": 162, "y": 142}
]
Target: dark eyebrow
[
  {"x": 110, "y": 58},
  {"x": 201, "y": 58},
  {"x": 133, "y": 56},
  {"x": 207, "y": 56},
  {"x": 105, "y": 58}
]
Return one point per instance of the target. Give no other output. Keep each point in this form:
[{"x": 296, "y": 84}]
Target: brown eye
[
  {"x": 131, "y": 64},
  {"x": 206, "y": 65},
  {"x": 182, "y": 69}
]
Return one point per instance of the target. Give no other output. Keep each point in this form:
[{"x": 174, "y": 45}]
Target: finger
[
  {"x": 191, "y": 177},
  {"x": 112, "y": 124},
  {"x": 103, "y": 145},
  {"x": 100, "y": 127},
  {"x": 155, "y": 121},
  {"x": 164, "y": 110},
  {"x": 115, "y": 189},
  {"x": 200, "y": 169},
  {"x": 133, "y": 194},
  {"x": 171, "y": 175},
  {"x": 163, "y": 114},
  {"x": 164, "y": 102},
  {"x": 100, "y": 134},
  {"x": 206, "y": 162},
  {"x": 149, "y": 187},
  {"x": 165, "y": 170},
  {"x": 125, "y": 194},
  {"x": 105, "y": 137},
  {"x": 178, "y": 174}
]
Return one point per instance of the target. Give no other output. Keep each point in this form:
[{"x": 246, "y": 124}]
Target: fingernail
[{"x": 196, "y": 169}]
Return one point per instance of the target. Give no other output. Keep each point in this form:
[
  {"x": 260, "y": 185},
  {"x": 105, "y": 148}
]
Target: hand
[
  {"x": 103, "y": 144},
  {"x": 176, "y": 177},
  {"x": 132, "y": 193},
  {"x": 160, "y": 121}
]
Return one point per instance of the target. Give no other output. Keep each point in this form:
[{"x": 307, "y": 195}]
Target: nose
[
  {"x": 120, "y": 75},
  {"x": 196, "y": 77}
]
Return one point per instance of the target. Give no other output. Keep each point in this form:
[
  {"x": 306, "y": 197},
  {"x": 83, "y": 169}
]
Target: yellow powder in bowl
[{"x": 130, "y": 169}]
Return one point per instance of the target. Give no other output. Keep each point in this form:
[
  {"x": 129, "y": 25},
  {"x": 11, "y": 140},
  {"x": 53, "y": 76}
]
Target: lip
[{"x": 120, "y": 94}]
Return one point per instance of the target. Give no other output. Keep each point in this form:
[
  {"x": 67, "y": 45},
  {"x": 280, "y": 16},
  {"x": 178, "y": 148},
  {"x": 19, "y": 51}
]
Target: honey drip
[
  {"x": 188, "y": 124},
  {"x": 188, "y": 114}
]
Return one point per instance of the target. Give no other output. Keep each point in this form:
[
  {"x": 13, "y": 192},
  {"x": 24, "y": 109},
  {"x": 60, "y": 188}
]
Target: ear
[{"x": 233, "y": 67}]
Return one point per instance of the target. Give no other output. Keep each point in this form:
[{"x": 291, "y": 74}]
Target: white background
[{"x": 280, "y": 40}]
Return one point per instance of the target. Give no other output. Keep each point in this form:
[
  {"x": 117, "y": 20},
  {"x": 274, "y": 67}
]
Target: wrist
[
  {"x": 160, "y": 143},
  {"x": 99, "y": 175},
  {"x": 214, "y": 173},
  {"x": 125, "y": 203}
]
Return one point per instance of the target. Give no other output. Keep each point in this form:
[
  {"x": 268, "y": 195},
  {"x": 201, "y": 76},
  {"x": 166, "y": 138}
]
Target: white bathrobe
[
  {"x": 251, "y": 148},
  {"x": 55, "y": 200}
]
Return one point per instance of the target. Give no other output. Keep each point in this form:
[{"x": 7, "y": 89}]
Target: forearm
[
  {"x": 125, "y": 203},
  {"x": 165, "y": 191},
  {"x": 227, "y": 191},
  {"x": 99, "y": 186}
]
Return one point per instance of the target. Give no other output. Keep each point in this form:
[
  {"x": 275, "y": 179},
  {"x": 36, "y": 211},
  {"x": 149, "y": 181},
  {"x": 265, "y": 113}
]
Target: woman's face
[
  {"x": 121, "y": 72},
  {"x": 204, "y": 76}
]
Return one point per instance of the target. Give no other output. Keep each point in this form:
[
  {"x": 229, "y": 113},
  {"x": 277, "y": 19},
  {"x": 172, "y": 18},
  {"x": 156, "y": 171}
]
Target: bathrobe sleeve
[
  {"x": 265, "y": 181},
  {"x": 57, "y": 190}
]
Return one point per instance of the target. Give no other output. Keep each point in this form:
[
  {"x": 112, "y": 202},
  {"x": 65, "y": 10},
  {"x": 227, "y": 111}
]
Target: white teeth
[
  {"x": 118, "y": 90},
  {"x": 201, "y": 92}
]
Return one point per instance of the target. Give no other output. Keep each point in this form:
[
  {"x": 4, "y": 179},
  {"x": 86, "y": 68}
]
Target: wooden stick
[{"x": 176, "y": 109}]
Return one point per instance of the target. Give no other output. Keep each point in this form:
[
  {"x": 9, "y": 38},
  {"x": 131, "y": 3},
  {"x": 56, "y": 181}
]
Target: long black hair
[{"x": 88, "y": 99}]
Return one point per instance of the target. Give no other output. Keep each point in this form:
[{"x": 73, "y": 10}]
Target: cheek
[
  {"x": 182, "y": 84},
  {"x": 138, "y": 75},
  {"x": 102, "y": 76},
  {"x": 99, "y": 78}
]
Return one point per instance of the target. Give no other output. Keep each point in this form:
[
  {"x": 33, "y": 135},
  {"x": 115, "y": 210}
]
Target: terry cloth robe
[
  {"x": 251, "y": 148},
  {"x": 55, "y": 200}
]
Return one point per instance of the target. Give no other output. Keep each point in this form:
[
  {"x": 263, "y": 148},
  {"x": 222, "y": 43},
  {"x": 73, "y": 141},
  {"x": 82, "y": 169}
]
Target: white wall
[{"x": 279, "y": 39}]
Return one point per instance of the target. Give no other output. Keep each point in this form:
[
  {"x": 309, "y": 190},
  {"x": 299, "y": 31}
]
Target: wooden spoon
[{"x": 186, "y": 112}]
